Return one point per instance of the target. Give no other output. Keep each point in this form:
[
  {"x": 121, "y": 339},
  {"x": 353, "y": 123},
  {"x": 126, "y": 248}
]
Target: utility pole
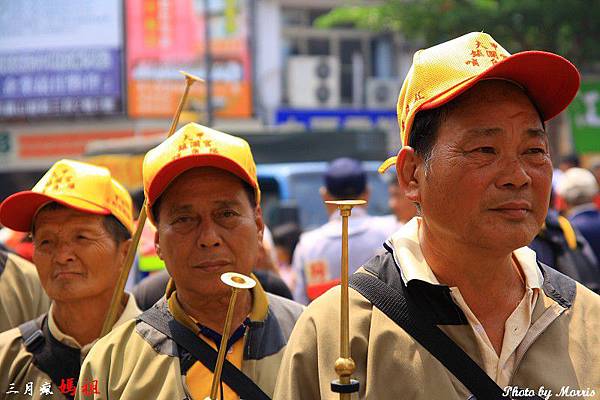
[{"x": 208, "y": 64}]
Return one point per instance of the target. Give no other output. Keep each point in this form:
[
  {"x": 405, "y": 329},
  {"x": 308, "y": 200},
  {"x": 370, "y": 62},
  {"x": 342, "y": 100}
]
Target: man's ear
[
  {"x": 407, "y": 166},
  {"x": 157, "y": 245},
  {"x": 124, "y": 248},
  {"x": 260, "y": 224}
]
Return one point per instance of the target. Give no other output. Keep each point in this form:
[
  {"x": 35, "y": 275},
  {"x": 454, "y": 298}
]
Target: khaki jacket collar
[
  {"x": 258, "y": 312},
  {"x": 130, "y": 312},
  {"x": 435, "y": 299}
]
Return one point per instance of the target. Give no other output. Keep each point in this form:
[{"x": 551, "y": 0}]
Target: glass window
[
  {"x": 318, "y": 47},
  {"x": 347, "y": 48}
]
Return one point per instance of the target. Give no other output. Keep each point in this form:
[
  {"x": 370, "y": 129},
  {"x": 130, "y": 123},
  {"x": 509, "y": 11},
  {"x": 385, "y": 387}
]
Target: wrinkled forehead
[
  {"x": 482, "y": 111},
  {"x": 54, "y": 215},
  {"x": 489, "y": 92}
]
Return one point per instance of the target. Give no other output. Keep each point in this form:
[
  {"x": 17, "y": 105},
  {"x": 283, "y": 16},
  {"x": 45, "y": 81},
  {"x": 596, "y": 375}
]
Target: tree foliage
[{"x": 570, "y": 28}]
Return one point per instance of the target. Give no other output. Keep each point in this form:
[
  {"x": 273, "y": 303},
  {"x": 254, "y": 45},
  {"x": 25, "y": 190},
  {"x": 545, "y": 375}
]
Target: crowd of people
[{"x": 480, "y": 284}]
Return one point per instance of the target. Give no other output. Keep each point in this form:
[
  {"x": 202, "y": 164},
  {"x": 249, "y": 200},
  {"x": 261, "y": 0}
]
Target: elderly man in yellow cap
[
  {"x": 81, "y": 220},
  {"x": 457, "y": 307},
  {"x": 203, "y": 196}
]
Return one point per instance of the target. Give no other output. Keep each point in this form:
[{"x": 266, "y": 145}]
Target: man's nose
[
  {"x": 208, "y": 235},
  {"x": 513, "y": 173},
  {"x": 64, "y": 252}
]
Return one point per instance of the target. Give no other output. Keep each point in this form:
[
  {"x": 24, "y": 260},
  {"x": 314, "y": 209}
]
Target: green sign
[
  {"x": 4, "y": 143},
  {"x": 584, "y": 114}
]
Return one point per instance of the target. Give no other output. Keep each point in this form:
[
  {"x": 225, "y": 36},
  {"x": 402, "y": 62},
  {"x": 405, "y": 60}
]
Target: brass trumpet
[
  {"x": 344, "y": 365},
  {"x": 236, "y": 282},
  {"x": 117, "y": 298}
]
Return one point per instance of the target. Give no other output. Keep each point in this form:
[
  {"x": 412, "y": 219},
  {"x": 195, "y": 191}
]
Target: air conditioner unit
[
  {"x": 313, "y": 81},
  {"x": 382, "y": 93}
]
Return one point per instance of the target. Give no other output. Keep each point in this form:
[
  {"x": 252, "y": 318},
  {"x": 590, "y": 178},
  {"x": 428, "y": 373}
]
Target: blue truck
[{"x": 291, "y": 191}]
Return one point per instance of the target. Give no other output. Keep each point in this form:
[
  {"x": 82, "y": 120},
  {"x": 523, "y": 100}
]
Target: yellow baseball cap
[
  {"x": 193, "y": 146},
  {"x": 81, "y": 186},
  {"x": 441, "y": 73}
]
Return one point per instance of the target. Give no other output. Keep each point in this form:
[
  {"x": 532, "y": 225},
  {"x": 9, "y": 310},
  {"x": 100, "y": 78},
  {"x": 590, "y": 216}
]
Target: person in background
[
  {"x": 578, "y": 188},
  {"x": 317, "y": 257},
  {"x": 267, "y": 270},
  {"x": 147, "y": 262},
  {"x": 569, "y": 161},
  {"x": 22, "y": 297},
  {"x": 403, "y": 210},
  {"x": 151, "y": 289},
  {"x": 286, "y": 239},
  {"x": 81, "y": 223},
  {"x": 565, "y": 162},
  {"x": 561, "y": 246},
  {"x": 595, "y": 169},
  {"x": 267, "y": 259}
]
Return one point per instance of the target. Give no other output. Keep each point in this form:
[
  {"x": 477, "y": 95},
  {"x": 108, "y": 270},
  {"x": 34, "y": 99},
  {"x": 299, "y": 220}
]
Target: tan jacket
[
  {"x": 18, "y": 369},
  {"x": 22, "y": 297},
  {"x": 561, "y": 348},
  {"x": 136, "y": 361}
]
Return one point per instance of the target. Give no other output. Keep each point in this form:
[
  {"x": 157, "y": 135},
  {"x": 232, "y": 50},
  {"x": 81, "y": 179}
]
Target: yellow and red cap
[
  {"x": 193, "y": 146},
  {"x": 442, "y": 72},
  {"x": 74, "y": 184}
]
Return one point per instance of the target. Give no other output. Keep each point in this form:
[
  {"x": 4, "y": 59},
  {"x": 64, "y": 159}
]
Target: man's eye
[
  {"x": 486, "y": 150},
  {"x": 42, "y": 243},
  {"x": 183, "y": 220},
  {"x": 227, "y": 218},
  {"x": 537, "y": 150},
  {"x": 229, "y": 213}
]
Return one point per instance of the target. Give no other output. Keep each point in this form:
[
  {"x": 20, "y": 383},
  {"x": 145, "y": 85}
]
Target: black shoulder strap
[
  {"x": 3, "y": 259},
  {"x": 59, "y": 361},
  {"x": 202, "y": 352},
  {"x": 31, "y": 332},
  {"x": 395, "y": 305}
]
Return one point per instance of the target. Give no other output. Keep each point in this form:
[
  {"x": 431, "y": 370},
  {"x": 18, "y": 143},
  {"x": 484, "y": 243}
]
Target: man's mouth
[
  {"x": 210, "y": 266},
  {"x": 67, "y": 274},
  {"x": 514, "y": 209}
]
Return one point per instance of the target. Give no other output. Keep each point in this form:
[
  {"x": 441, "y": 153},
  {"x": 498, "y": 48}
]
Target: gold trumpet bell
[
  {"x": 345, "y": 203},
  {"x": 344, "y": 366},
  {"x": 237, "y": 282}
]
